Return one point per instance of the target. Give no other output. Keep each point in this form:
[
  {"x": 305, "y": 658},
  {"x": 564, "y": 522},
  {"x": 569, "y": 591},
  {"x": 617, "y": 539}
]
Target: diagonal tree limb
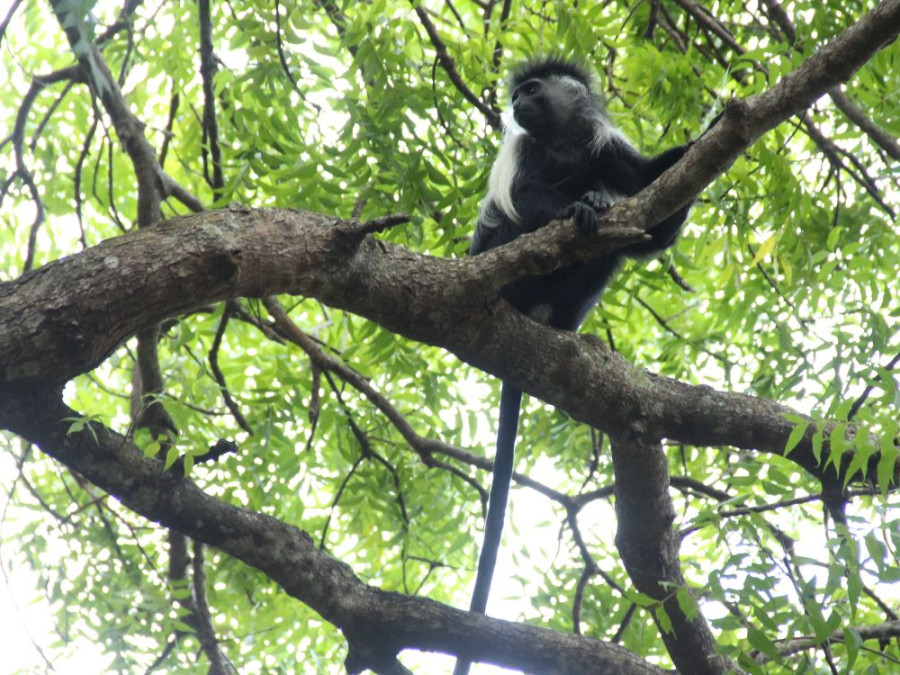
[
  {"x": 72, "y": 313},
  {"x": 745, "y": 121}
]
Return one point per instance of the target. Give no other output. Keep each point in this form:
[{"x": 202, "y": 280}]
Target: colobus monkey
[{"x": 561, "y": 157}]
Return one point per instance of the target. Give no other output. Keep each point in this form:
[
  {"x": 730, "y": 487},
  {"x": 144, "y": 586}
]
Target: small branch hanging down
[
  {"x": 449, "y": 66},
  {"x": 153, "y": 182},
  {"x": 206, "y": 633},
  {"x": 22, "y": 172},
  {"x": 210, "y": 125},
  {"x": 217, "y": 371}
]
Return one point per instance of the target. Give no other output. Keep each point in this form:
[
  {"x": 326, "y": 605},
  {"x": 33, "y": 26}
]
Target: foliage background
[{"x": 791, "y": 258}]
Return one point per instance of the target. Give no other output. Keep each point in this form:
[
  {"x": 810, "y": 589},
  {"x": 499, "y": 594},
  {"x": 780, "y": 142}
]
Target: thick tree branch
[
  {"x": 72, "y": 313},
  {"x": 745, "y": 121}
]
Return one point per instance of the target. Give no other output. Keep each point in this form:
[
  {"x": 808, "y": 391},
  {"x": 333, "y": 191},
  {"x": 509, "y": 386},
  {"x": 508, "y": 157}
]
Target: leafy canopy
[{"x": 789, "y": 264}]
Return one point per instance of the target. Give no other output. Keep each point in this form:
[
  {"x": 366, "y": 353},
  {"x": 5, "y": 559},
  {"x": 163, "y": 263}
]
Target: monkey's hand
[
  {"x": 585, "y": 211},
  {"x": 597, "y": 201},
  {"x": 583, "y": 215}
]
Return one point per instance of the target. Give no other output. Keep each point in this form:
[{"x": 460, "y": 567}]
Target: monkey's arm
[
  {"x": 621, "y": 168},
  {"x": 655, "y": 166},
  {"x": 666, "y": 231},
  {"x": 664, "y": 235},
  {"x": 536, "y": 206}
]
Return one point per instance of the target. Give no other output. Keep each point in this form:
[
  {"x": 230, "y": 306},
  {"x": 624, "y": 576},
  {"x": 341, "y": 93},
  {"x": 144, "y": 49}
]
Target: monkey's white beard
[
  {"x": 503, "y": 173},
  {"x": 604, "y": 132}
]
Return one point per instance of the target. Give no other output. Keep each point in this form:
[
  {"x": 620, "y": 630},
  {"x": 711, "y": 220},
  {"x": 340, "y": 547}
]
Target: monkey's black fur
[{"x": 561, "y": 157}]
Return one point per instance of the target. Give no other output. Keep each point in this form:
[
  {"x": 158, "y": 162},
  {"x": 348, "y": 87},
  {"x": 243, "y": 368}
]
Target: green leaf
[
  {"x": 887, "y": 465},
  {"x": 833, "y": 237},
  {"x": 837, "y": 445},
  {"x": 797, "y": 433},
  {"x": 151, "y": 449},
  {"x": 852, "y": 642},
  {"x": 759, "y": 641},
  {"x": 171, "y": 457},
  {"x": 765, "y": 249},
  {"x": 662, "y": 617},
  {"x": 686, "y": 603},
  {"x": 862, "y": 452},
  {"x": 817, "y": 441}
]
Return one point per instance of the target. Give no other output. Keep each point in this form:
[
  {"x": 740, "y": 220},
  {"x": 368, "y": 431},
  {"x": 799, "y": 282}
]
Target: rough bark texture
[
  {"x": 648, "y": 545},
  {"x": 72, "y": 313}
]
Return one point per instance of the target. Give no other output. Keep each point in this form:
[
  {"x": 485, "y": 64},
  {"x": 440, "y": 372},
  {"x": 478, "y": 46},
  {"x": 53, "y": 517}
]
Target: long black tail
[{"x": 507, "y": 429}]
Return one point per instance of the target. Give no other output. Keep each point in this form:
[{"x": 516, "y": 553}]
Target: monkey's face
[
  {"x": 547, "y": 108},
  {"x": 531, "y": 108}
]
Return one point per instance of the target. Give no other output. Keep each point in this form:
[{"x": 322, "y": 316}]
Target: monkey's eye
[{"x": 527, "y": 89}]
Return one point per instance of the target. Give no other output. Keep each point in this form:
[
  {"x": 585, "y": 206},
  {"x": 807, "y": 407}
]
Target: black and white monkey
[{"x": 561, "y": 157}]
